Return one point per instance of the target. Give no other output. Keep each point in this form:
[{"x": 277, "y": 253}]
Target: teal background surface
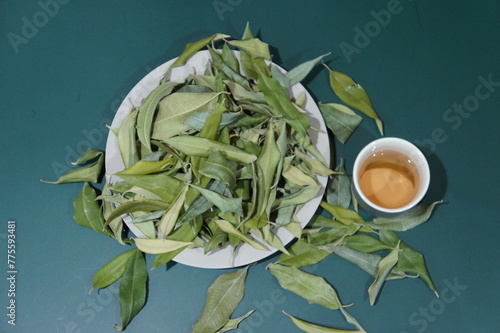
[{"x": 431, "y": 69}]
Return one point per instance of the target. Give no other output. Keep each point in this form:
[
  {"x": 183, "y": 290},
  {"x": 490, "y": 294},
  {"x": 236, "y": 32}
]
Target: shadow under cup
[{"x": 390, "y": 176}]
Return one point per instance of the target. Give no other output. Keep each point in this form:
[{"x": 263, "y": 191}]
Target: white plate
[{"x": 220, "y": 258}]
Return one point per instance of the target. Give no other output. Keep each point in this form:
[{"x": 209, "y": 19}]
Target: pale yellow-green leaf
[
  {"x": 159, "y": 245},
  {"x": 174, "y": 109},
  {"x": 227, "y": 227},
  {"x": 168, "y": 221},
  {"x": 314, "y": 328}
]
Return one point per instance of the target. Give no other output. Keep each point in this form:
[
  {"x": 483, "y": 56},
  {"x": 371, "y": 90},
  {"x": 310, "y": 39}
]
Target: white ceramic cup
[{"x": 416, "y": 157}]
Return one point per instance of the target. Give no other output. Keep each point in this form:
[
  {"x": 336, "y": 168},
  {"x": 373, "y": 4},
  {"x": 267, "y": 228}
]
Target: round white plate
[{"x": 219, "y": 258}]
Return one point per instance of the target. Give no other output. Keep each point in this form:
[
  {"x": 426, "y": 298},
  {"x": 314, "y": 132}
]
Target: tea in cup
[{"x": 390, "y": 176}]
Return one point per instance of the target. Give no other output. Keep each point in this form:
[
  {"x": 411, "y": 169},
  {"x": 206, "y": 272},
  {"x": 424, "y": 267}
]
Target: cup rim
[{"x": 414, "y": 152}]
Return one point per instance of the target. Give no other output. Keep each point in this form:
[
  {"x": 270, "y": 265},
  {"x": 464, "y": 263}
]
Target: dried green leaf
[
  {"x": 312, "y": 288},
  {"x": 228, "y": 228},
  {"x": 410, "y": 260},
  {"x": 164, "y": 186},
  {"x": 246, "y": 60},
  {"x": 174, "y": 109},
  {"x": 225, "y": 204},
  {"x": 127, "y": 139},
  {"x": 297, "y": 177},
  {"x": 218, "y": 167},
  {"x": 267, "y": 163},
  {"x": 220, "y": 65},
  {"x": 200, "y": 205},
  {"x": 192, "y": 48},
  {"x": 297, "y": 74},
  {"x": 159, "y": 245},
  {"x": 366, "y": 261},
  {"x": 285, "y": 215},
  {"x": 223, "y": 296},
  {"x": 338, "y": 190},
  {"x": 112, "y": 271},
  {"x": 302, "y": 196},
  {"x": 148, "y": 167},
  {"x": 253, "y": 46},
  {"x": 313, "y": 328},
  {"x": 334, "y": 235},
  {"x": 148, "y": 217},
  {"x": 278, "y": 100},
  {"x": 365, "y": 243},
  {"x": 186, "y": 233},
  {"x": 89, "y": 173},
  {"x": 229, "y": 58},
  {"x": 89, "y": 155},
  {"x": 271, "y": 238},
  {"x": 148, "y": 109},
  {"x": 232, "y": 324},
  {"x": 384, "y": 268},
  {"x": 301, "y": 254},
  {"x": 168, "y": 221},
  {"x": 241, "y": 94},
  {"x": 407, "y": 220},
  {"x": 192, "y": 145},
  {"x": 316, "y": 166},
  {"x": 87, "y": 212},
  {"x": 341, "y": 120},
  {"x": 116, "y": 225},
  {"x": 147, "y": 205},
  {"x": 345, "y": 215},
  {"x": 198, "y": 119},
  {"x": 132, "y": 290},
  {"x": 352, "y": 94}
]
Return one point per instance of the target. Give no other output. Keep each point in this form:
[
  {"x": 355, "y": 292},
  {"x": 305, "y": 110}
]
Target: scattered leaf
[{"x": 223, "y": 297}]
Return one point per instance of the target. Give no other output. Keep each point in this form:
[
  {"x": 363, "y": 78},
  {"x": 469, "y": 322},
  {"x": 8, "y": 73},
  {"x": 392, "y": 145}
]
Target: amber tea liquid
[{"x": 389, "y": 179}]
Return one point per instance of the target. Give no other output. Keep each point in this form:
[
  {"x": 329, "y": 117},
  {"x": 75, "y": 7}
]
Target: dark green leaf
[
  {"x": 112, "y": 271},
  {"x": 87, "y": 212},
  {"x": 132, "y": 291},
  {"x": 148, "y": 205},
  {"x": 192, "y": 48},
  {"x": 365, "y": 243},
  {"x": 148, "y": 109}
]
